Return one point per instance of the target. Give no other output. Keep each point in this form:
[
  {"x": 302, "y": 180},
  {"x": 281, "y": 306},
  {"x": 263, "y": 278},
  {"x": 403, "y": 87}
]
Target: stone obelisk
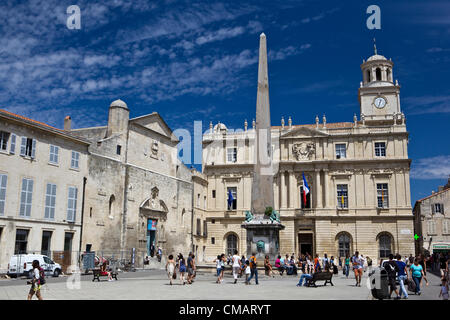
[
  {"x": 262, "y": 230},
  {"x": 262, "y": 187}
]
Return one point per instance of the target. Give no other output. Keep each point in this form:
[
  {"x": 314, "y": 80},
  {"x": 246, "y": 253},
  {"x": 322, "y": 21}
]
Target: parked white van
[{"x": 21, "y": 265}]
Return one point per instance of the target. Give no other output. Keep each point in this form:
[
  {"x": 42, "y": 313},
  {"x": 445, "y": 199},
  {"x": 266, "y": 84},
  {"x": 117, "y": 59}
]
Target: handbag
[{"x": 174, "y": 275}]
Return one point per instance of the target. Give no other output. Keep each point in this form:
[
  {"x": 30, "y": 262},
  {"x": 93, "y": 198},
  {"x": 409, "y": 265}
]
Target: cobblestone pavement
[{"x": 154, "y": 285}]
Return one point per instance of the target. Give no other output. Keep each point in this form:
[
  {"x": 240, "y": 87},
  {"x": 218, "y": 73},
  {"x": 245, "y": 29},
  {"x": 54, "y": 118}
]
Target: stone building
[
  {"x": 137, "y": 191},
  {"x": 42, "y": 174},
  {"x": 357, "y": 173},
  {"x": 432, "y": 221}
]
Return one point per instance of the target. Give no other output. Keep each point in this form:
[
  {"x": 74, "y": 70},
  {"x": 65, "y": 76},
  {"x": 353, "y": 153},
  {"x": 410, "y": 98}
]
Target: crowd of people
[{"x": 409, "y": 271}]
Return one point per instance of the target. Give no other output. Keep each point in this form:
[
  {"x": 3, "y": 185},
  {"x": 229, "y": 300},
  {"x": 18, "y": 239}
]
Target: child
[
  {"x": 247, "y": 271},
  {"x": 444, "y": 289}
]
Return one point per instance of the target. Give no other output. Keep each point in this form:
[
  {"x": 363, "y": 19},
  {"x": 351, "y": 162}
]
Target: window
[
  {"x": 119, "y": 149},
  {"x": 21, "y": 241},
  {"x": 306, "y": 205},
  {"x": 3, "y": 181},
  {"x": 385, "y": 245},
  {"x": 54, "y": 154},
  {"x": 431, "y": 224},
  {"x": 111, "y": 207},
  {"x": 214, "y": 193},
  {"x": 68, "y": 236},
  {"x": 231, "y": 198},
  {"x": 445, "y": 226},
  {"x": 368, "y": 75},
  {"x": 380, "y": 149},
  {"x": 205, "y": 233},
  {"x": 231, "y": 244},
  {"x": 50, "y": 200},
  {"x": 198, "y": 200},
  {"x": 74, "y": 164},
  {"x": 199, "y": 227},
  {"x": 340, "y": 151},
  {"x": 437, "y": 208},
  {"x": 378, "y": 74},
  {"x": 12, "y": 148},
  {"x": 26, "y": 197},
  {"x": 342, "y": 196},
  {"x": 382, "y": 195},
  {"x": 231, "y": 154},
  {"x": 4, "y": 136},
  {"x": 344, "y": 245},
  {"x": 45, "y": 247},
  {"x": 213, "y": 240},
  {"x": 213, "y": 221},
  {"x": 28, "y": 147},
  {"x": 72, "y": 204}
]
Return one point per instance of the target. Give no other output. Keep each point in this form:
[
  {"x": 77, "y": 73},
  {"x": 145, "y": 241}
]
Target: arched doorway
[
  {"x": 231, "y": 242},
  {"x": 344, "y": 244},
  {"x": 385, "y": 244}
]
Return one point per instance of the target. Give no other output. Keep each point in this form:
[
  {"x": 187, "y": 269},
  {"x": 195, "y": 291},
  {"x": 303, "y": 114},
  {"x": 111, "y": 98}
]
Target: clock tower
[{"x": 379, "y": 97}]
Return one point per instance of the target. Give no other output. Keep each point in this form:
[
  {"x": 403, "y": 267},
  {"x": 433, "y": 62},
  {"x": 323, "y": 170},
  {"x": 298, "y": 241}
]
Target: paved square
[{"x": 154, "y": 285}]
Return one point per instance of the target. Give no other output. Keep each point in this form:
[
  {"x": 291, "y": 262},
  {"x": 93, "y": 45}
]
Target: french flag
[{"x": 305, "y": 188}]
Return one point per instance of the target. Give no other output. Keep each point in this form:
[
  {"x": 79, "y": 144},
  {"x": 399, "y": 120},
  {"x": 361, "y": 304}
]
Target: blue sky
[{"x": 198, "y": 61}]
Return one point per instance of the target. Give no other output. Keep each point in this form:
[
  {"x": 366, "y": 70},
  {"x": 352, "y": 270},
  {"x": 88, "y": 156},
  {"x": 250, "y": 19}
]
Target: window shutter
[
  {"x": 33, "y": 150},
  {"x": 23, "y": 146},
  {"x": 12, "y": 148},
  {"x": 442, "y": 208},
  {"x": 433, "y": 208}
]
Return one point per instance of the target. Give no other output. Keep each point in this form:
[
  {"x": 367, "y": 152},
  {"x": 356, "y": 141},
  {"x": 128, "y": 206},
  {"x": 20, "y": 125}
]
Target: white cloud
[{"x": 431, "y": 168}]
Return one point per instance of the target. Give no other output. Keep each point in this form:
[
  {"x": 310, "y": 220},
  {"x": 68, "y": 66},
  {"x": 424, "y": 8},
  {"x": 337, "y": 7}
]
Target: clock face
[{"x": 379, "y": 102}]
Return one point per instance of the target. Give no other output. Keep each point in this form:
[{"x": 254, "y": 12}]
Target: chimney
[{"x": 67, "y": 123}]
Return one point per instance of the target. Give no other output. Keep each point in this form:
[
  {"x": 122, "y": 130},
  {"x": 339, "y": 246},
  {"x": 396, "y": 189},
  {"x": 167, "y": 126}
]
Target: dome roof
[
  {"x": 219, "y": 127},
  {"x": 119, "y": 103},
  {"x": 376, "y": 57}
]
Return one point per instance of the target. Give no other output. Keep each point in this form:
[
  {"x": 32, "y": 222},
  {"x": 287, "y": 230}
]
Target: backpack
[
  {"x": 41, "y": 276},
  {"x": 252, "y": 262}
]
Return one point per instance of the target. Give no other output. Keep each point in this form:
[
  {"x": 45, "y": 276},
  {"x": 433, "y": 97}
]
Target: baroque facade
[
  {"x": 432, "y": 221},
  {"x": 138, "y": 193},
  {"x": 357, "y": 173},
  {"x": 42, "y": 179}
]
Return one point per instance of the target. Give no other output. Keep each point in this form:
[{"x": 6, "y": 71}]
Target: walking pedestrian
[
  {"x": 391, "y": 268},
  {"x": 347, "y": 265},
  {"x": 247, "y": 271},
  {"x": 223, "y": 260},
  {"x": 417, "y": 274},
  {"x": 218, "y": 262},
  {"x": 253, "y": 269},
  {"x": 443, "y": 266},
  {"x": 159, "y": 254},
  {"x": 236, "y": 265},
  {"x": 170, "y": 268},
  {"x": 444, "y": 289},
  {"x": 402, "y": 276},
  {"x": 190, "y": 268},
  {"x": 182, "y": 268},
  {"x": 317, "y": 267},
  {"x": 422, "y": 262},
  {"x": 358, "y": 264},
  {"x": 36, "y": 281}
]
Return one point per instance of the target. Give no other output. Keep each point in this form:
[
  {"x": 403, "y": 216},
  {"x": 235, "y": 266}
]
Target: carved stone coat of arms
[{"x": 303, "y": 150}]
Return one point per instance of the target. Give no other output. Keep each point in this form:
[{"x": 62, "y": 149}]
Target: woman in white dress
[{"x": 170, "y": 268}]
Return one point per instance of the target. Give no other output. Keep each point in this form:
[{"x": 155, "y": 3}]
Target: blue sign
[{"x": 151, "y": 224}]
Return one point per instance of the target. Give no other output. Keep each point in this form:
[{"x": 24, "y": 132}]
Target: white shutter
[
  {"x": 23, "y": 146},
  {"x": 12, "y": 147},
  {"x": 445, "y": 223},
  {"x": 33, "y": 150}
]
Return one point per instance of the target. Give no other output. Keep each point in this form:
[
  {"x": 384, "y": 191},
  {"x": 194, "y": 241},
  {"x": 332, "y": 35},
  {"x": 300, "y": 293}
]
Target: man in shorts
[{"x": 358, "y": 268}]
